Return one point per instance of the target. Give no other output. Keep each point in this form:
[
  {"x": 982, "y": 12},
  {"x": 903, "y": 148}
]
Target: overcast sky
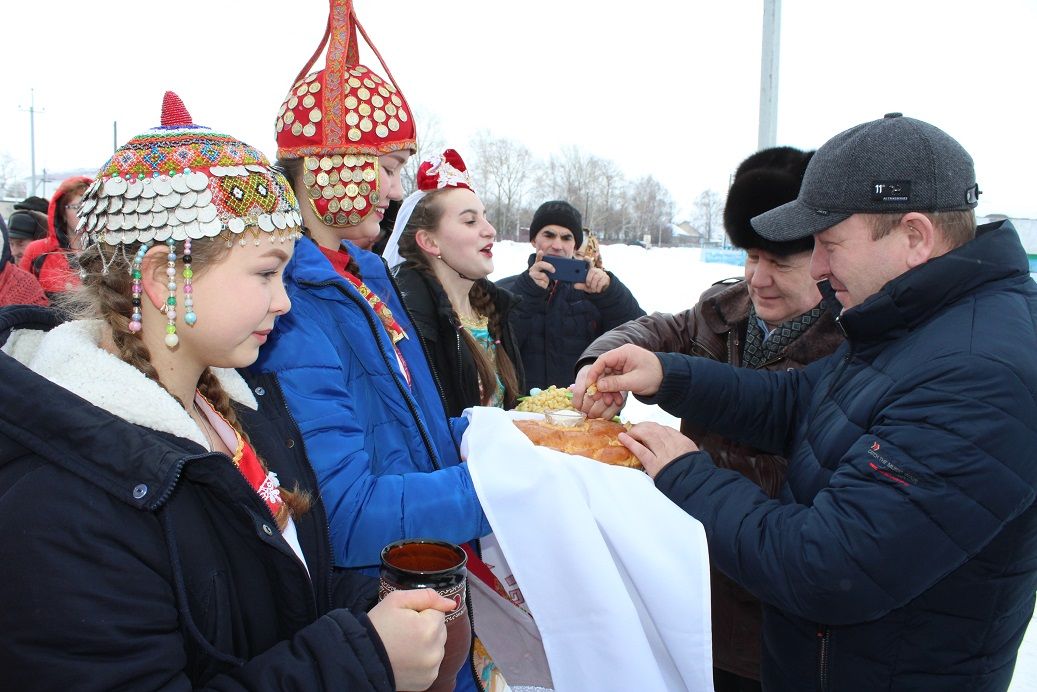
[{"x": 662, "y": 87}]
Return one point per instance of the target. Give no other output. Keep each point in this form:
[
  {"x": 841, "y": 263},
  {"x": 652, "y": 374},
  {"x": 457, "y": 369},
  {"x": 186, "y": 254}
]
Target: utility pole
[
  {"x": 769, "y": 74},
  {"x": 32, "y": 138}
]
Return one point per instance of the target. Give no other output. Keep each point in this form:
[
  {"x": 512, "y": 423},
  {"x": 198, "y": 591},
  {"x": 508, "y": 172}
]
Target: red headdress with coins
[{"x": 339, "y": 120}]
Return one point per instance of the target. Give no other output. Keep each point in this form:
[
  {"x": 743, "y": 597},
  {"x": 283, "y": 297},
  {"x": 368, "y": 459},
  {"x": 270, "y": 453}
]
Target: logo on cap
[{"x": 891, "y": 191}]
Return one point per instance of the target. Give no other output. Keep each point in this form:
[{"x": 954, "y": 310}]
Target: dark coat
[
  {"x": 452, "y": 361},
  {"x": 715, "y": 328},
  {"x": 904, "y": 554},
  {"x": 134, "y": 559},
  {"x": 555, "y": 324}
]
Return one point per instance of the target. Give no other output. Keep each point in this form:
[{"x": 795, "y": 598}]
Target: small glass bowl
[{"x": 565, "y": 417}]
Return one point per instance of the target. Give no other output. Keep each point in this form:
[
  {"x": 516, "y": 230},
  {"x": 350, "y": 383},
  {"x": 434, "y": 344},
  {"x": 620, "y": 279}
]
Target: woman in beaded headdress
[
  {"x": 348, "y": 357},
  {"x": 148, "y": 542},
  {"x": 442, "y": 251}
]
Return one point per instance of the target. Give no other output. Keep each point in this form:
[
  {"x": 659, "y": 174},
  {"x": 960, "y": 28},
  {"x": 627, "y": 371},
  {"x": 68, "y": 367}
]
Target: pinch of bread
[
  {"x": 595, "y": 439},
  {"x": 592, "y": 388}
]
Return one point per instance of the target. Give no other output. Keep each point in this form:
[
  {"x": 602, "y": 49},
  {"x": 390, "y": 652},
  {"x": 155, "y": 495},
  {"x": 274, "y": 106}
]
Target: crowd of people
[{"x": 230, "y": 402}]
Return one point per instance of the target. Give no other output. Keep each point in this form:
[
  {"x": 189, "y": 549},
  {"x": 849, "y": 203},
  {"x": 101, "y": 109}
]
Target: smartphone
[{"x": 571, "y": 270}]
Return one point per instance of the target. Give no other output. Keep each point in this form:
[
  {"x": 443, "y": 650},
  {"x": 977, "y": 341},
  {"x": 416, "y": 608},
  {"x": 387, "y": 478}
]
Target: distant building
[
  {"x": 47, "y": 181},
  {"x": 684, "y": 233}
]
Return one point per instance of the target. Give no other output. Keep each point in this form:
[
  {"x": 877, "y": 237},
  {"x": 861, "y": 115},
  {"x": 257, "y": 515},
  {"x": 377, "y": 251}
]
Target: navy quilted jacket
[
  {"x": 903, "y": 552},
  {"x": 554, "y": 325}
]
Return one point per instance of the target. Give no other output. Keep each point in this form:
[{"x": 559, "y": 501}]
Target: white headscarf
[{"x": 391, "y": 253}]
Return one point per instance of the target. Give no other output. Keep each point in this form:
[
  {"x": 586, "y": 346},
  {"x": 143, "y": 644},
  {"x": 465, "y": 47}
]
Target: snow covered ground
[{"x": 670, "y": 280}]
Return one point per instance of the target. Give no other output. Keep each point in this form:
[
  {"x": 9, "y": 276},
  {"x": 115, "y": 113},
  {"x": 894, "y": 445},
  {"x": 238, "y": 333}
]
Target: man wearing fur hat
[
  {"x": 556, "y": 320},
  {"x": 774, "y": 319}
]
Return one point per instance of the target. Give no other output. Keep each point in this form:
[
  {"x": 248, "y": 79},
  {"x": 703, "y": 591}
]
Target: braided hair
[{"x": 106, "y": 295}]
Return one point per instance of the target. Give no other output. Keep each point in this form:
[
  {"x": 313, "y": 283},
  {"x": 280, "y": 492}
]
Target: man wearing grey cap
[{"x": 902, "y": 552}]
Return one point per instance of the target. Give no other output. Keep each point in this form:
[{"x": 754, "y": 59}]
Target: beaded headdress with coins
[
  {"x": 339, "y": 120},
  {"x": 181, "y": 182}
]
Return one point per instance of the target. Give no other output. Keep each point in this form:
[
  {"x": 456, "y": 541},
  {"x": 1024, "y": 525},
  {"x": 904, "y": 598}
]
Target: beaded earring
[
  {"x": 136, "y": 275},
  {"x": 189, "y": 317},
  {"x": 170, "y": 307}
]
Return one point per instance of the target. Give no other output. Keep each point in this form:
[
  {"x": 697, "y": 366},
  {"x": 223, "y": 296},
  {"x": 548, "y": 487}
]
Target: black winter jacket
[
  {"x": 134, "y": 559},
  {"x": 555, "y": 325},
  {"x": 452, "y": 361},
  {"x": 903, "y": 555}
]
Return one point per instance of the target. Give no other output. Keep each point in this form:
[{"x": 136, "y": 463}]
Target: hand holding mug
[{"x": 413, "y": 631}]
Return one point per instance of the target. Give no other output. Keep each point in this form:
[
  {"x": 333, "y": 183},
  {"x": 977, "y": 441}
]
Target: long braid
[
  {"x": 483, "y": 302},
  {"x": 107, "y": 295},
  {"x": 296, "y": 502}
]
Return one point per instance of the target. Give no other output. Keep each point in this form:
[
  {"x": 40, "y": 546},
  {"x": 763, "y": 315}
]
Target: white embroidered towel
[{"x": 616, "y": 575}]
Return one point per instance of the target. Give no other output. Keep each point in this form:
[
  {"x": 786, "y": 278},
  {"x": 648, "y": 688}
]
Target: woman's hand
[{"x": 413, "y": 632}]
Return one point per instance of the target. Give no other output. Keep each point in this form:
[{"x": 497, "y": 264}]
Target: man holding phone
[{"x": 566, "y": 303}]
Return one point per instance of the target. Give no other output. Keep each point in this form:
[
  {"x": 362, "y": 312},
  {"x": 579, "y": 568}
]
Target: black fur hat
[{"x": 765, "y": 180}]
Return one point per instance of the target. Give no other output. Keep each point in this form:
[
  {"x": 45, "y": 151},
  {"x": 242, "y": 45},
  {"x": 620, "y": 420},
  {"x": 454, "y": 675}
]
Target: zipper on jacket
[
  {"x": 477, "y": 548},
  {"x": 409, "y": 398},
  {"x": 823, "y": 644},
  {"x": 705, "y": 349}
]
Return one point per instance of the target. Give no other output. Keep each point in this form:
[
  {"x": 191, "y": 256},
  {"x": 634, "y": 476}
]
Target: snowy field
[{"x": 670, "y": 280}]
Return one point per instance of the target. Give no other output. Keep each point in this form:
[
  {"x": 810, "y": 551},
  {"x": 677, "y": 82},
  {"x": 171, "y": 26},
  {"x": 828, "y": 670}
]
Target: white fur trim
[{"x": 69, "y": 356}]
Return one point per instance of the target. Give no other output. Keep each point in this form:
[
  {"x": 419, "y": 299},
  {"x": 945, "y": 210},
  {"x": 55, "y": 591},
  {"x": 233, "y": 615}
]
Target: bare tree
[
  {"x": 430, "y": 142},
  {"x": 11, "y": 185},
  {"x": 652, "y": 207},
  {"x": 709, "y": 211},
  {"x": 502, "y": 172}
]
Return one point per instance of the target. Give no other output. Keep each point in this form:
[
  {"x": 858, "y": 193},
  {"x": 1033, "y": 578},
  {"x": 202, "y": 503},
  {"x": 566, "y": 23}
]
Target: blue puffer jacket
[
  {"x": 903, "y": 555},
  {"x": 385, "y": 454},
  {"x": 554, "y": 325}
]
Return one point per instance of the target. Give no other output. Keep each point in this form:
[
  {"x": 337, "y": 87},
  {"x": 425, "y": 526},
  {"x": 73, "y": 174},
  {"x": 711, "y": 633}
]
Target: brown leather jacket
[{"x": 715, "y": 328}]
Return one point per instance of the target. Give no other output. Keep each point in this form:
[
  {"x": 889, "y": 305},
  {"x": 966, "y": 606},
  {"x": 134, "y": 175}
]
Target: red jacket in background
[{"x": 53, "y": 270}]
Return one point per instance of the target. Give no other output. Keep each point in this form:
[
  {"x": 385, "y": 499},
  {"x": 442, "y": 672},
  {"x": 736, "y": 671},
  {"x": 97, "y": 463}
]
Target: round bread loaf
[{"x": 595, "y": 439}]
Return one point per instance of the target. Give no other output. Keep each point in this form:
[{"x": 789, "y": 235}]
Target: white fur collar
[{"x": 68, "y": 355}]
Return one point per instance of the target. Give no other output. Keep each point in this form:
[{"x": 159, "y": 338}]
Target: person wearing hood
[
  {"x": 556, "y": 320},
  {"x": 17, "y": 287},
  {"x": 772, "y": 320},
  {"x": 51, "y": 260}
]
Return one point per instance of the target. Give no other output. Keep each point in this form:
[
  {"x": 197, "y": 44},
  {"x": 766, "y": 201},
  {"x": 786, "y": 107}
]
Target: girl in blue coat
[{"x": 348, "y": 358}]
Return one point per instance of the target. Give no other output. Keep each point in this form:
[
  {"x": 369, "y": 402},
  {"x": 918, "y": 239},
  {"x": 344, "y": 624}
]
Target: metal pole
[
  {"x": 768, "y": 136},
  {"x": 115, "y": 136},
  {"x": 32, "y": 138}
]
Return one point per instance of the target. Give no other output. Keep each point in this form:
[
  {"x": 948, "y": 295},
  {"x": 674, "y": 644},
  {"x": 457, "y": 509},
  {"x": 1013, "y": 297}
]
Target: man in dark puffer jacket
[
  {"x": 555, "y": 320},
  {"x": 903, "y": 553}
]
